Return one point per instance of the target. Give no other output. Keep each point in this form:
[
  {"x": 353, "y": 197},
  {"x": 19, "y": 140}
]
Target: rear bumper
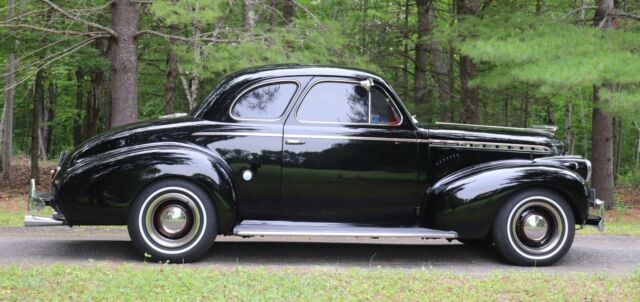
[
  {"x": 36, "y": 203},
  {"x": 596, "y": 212}
]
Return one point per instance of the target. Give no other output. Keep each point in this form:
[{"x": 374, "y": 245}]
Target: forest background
[{"x": 72, "y": 69}]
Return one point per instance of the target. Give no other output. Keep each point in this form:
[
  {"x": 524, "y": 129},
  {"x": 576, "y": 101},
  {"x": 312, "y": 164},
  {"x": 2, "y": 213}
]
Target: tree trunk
[
  {"x": 52, "y": 95},
  {"x": 107, "y": 104},
  {"x": 439, "y": 68},
  {"x": 635, "y": 123},
  {"x": 405, "y": 57},
  {"x": 420, "y": 87},
  {"x": 192, "y": 84},
  {"x": 6, "y": 122},
  {"x": 551, "y": 114},
  {"x": 124, "y": 62},
  {"x": 569, "y": 136},
  {"x": 77, "y": 120},
  {"x": 469, "y": 71},
  {"x": 38, "y": 96},
  {"x": 602, "y": 124},
  {"x": 170, "y": 82},
  {"x": 525, "y": 108},
  {"x": 42, "y": 151},
  {"x": 617, "y": 147},
  {"x": 92, "y": 108},
  {"x": 452, "y": 62},
  {"x": 248, "y": 16},
  {"x": 470, "y": 94},
  {"x": 602, "y": 150},
  {"x": 505, "y": 113},
  {"x": 289, "y": 11},
  {"x": 273, "y": 14}
]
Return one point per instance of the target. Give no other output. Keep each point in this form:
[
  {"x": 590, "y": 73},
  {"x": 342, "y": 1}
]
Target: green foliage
[
  {"x": 553, "y": 55},
  {"x": 523, "y": 53}
]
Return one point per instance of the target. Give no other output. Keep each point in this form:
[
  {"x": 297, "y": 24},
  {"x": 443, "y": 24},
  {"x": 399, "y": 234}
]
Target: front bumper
[
  {"x": 596, "y": 212},
  {"x": 37, "y": 203}
]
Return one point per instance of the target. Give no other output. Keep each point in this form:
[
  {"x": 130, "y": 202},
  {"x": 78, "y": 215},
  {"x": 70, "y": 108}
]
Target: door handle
[{"x": 294, "y": 142}]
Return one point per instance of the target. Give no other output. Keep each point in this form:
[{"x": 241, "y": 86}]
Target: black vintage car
[{"x": 322, "y": 151}]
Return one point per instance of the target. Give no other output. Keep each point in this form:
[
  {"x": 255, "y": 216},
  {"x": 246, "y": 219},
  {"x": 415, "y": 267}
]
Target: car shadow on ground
[{"x": 280, "y": 253}]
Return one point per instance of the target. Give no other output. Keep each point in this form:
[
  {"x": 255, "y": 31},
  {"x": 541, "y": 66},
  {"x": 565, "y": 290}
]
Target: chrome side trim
[
  {"x": 266, "y": 134},
  {"x": 434, "y": 142},
  {"x": 265, "y": 83},
  {"x": 345, "y": 137},
  {"x": 490, "y": 146},
  {"x": 294, "y": 228},
  {"x": 360, "y": 138},
  {"x": 494, "y": 127},
  {"x": 39, "y": 221}
]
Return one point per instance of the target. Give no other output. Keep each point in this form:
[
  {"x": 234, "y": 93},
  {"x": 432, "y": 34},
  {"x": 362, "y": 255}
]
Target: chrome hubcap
[
  {"x": 172, "y": 220},
  {"x": 535, "y": 227}
]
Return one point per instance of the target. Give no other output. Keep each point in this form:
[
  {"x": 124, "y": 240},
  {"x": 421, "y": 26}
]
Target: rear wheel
[
  {"x": 535, "y": 227},
  {"x": 172, "y": 220}
]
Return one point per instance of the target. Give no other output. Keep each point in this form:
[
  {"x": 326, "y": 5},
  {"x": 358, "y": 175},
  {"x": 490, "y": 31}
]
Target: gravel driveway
[{"x": 590, "y": 253}]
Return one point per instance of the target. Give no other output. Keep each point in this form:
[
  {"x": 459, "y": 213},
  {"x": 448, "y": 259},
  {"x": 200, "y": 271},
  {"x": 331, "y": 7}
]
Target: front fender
[
  {"x": 468, "y": 201},
  {"x": 99, "y": 190}
]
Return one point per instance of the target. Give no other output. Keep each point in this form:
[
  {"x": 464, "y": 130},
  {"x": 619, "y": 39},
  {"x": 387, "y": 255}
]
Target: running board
[{"x": 294, "y": 228}]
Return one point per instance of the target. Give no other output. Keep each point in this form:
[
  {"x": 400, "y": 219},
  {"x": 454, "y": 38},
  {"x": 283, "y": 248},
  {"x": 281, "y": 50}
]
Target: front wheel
[
  {"x": 534, "y": 228},
  {"x": 172, "y": 220}
]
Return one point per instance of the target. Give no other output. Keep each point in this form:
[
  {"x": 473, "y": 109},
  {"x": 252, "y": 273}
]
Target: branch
[
  {"x": 306, "y": 10},
  {"x": 56, "y": 31},
  {"x": 45, "y": 61},
  {"x": 77, "y": 18},
  {"x": 59, "y": 56},
  {"x": 573, "y": 11},
  {"x": 626, "y": 15},
  {"x": 185, "y": 39}
]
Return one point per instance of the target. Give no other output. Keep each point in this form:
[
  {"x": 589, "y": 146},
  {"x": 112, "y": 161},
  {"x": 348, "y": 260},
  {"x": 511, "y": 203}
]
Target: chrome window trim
[
  {"x": 265, "y": 83},
  {"x": 526, "y": 148},
  {"x": 302, "y": 99}
]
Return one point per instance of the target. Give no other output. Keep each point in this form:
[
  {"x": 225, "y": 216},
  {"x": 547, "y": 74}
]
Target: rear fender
[
  {"x": 468, "y": 201},
  {"x": 99, "y": 190}
]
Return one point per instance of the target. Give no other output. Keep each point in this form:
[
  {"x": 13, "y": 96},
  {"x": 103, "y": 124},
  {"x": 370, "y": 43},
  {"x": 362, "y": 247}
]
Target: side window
[
  {"x": 347, "y": 103},
  {"x": 266, "y": 102},
  {"x": 383, "y": 112},
  {"x": 335, "y": 102}
]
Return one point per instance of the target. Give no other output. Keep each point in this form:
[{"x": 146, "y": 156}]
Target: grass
[
  {"x": 101, "y": 282},
  {"x": 11, "y": 219}
]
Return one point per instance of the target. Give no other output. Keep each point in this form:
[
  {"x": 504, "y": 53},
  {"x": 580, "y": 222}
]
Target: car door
[
  {"x": 248, "y": 135},
  {"x": 349, "y": 155}
]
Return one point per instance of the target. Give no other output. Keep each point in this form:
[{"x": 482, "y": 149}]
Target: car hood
[{"x": 479, "y": 133}]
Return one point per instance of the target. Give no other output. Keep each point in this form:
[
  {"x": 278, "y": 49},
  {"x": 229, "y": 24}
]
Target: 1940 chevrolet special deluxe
[{"x": 322, "y": 151}]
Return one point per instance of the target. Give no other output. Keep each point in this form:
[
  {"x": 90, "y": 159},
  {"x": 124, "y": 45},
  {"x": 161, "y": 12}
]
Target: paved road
[{"x": 590, "y": 253}]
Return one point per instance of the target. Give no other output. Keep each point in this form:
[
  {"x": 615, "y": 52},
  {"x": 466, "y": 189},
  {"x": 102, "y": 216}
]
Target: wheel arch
[
  {"x": 468, "y": 202},
  {"x": 100, "y": 190}
]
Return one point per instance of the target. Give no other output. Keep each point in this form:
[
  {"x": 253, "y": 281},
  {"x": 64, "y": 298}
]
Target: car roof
[{"x": 284, "y": 70}]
